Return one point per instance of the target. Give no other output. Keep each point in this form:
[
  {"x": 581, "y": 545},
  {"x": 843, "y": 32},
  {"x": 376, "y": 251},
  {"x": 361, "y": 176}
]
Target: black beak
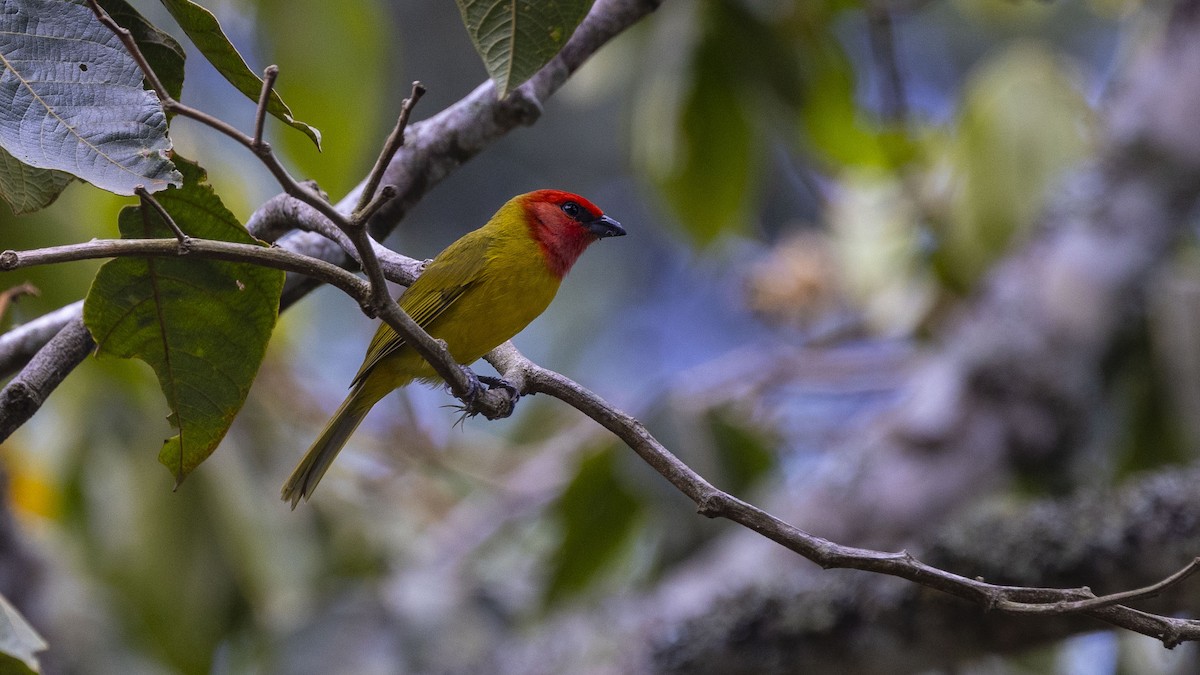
[{"x": 605, "y": 227}]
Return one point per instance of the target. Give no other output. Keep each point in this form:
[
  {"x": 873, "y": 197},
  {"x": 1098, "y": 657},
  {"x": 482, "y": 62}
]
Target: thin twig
[
  {"x": 199, "y": 248},
  {"x": 393, "y": 143},
  {"x": 131, "y": 46},
  {"x": 149, "y": 200},
  {"x": 10, "y": 295},
  {"x": 1098, "y": 602},
  {"x": 260, "y": 115},
  {"x": 386, "y": 194}
]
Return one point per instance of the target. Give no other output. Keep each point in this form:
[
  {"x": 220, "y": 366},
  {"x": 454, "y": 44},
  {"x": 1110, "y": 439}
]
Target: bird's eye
[{"x": 571, "y": 209}]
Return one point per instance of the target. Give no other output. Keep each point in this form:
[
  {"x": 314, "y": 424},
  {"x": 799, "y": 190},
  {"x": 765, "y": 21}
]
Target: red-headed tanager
[{"x": 479, "y": 292}]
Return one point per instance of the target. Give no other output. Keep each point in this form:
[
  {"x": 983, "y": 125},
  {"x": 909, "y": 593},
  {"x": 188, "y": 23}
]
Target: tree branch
[
  {"x": 868, "y": 625},
  {"x": 19, "y": 344},
  {"x": 1019, "y": 377},
  {"x": 26, "y": 392},
  {"x": 270, "y": 74},
  {"x": 199, "y": 248},
  {"x": 715, "y": 503},
  {"x": 393, "y": 143}
]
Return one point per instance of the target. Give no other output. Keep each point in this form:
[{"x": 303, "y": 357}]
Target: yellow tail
[{"x": 316, "y": 461}]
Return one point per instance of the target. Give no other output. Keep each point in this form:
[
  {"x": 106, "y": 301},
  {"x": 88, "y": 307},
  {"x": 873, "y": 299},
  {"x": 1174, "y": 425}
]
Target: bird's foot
[
  {"x": 474, "y": 402},
  {"x": 501, "y": 383}
]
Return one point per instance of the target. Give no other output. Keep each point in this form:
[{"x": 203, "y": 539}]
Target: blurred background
[{"x": 811, "y": 187}]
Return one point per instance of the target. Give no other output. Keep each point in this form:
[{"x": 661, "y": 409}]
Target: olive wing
[{"x": 451, "y": 274}]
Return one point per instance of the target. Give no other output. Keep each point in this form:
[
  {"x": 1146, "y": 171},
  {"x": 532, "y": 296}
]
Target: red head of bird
[{"x": 563, "y": 224}]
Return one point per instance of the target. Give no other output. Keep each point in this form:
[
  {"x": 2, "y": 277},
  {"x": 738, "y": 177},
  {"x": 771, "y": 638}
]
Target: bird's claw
[
  {"x": 475, "y": 391},
  {"x": 474, "y": 388},
  {"x": 501, "y": 383}
]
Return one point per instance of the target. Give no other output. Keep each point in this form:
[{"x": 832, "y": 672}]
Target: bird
[{"x": 475, "y": 295}]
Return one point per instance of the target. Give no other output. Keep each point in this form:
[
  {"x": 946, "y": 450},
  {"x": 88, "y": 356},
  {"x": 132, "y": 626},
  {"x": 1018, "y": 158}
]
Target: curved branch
[
  {"x": 869, "y": 624},
  {"x": 528, "y": 377}
]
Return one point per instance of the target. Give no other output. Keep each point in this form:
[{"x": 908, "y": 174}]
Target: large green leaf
[
  {"x": 18, "y": 641},
  {"x": 203, "y": 325},
  {"x": 27, "y": 188},
  {"x": 163, "y": 52},
  {"x": 597, "y": 514},
  {"x": 205, "y": 32},
  {"x": 71, "y": 99},
  {"x": 516, "y": 38}
]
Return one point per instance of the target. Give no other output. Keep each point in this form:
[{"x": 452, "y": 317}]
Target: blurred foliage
[
  {"x": 1149, "y": 430},
  {"x": 797, "y": 284},
  {"x": 1023, "y": 121},
  {"x": 354, "y": 112},
  {"x": 882, "y": 253},
  {"x": 597, "y": 514},
  {"x": 745, "y": 453},
  {"x": 695, "y": 136}
]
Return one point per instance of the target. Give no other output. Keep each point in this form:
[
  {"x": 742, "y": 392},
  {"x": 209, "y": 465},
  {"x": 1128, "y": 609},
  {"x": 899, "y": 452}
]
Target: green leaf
[
  {"x": 205, "y": 32},
  {"x": 18, "y": 640},
  {"x": 203, "y": 325},
  {"x": 516, "y": 38},
  {"x": 163, "y": 52},
  {"x": 71, "y": 99},
  {"x": 27, "y": 188},
  {"x": 597, "y": 514}
]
